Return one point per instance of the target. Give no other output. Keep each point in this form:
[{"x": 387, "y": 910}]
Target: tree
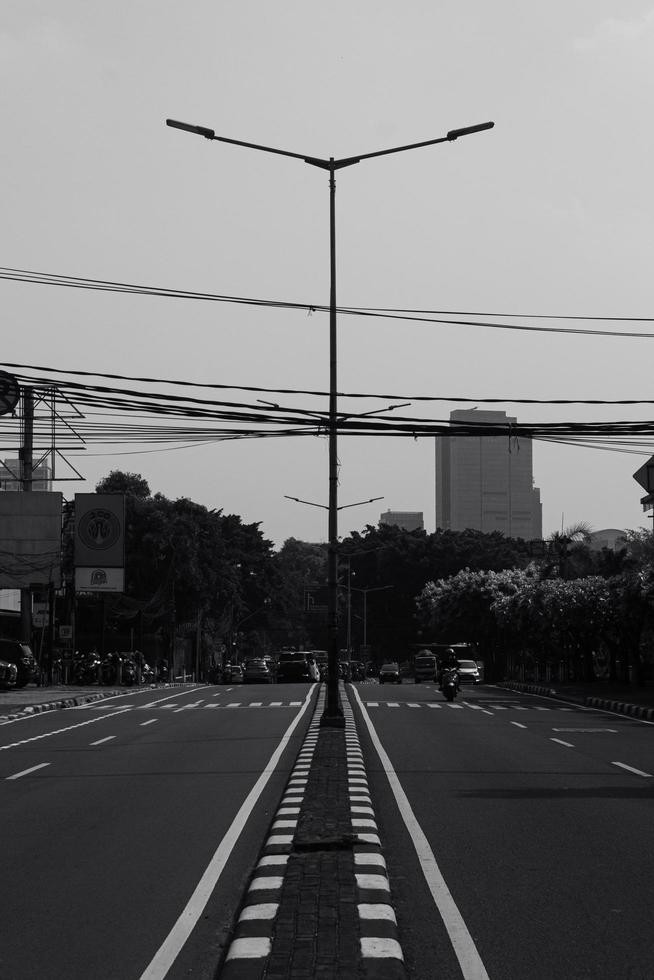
[
  {"x": 186, "y": 563},
  {"x": 301, "y": 574},
  {"x": 131, "y": 484},
  {"x": 461, "y": 608},
  {"x": 402, "y": 562}
]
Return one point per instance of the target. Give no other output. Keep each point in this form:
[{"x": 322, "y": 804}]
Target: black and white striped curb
[
  {"x": 77, "y": 700},
  {"x": 606, "y": 704},
  {"x": 73, "y": 702},
  {"x": 621, "y": 707},
  {"x": 545, "y": 692},
  {"x": 381, "y": 951},
  {"x": 252, "y": 942}
]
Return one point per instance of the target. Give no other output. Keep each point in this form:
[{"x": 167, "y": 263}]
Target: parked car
[
  {"x": 15, "y": 652},
  {"x": 390, "y": 674},
  {"x": 8, "y": 674},
  {"x": 297, "y": 665},
  {"x": 469, "y": 672},
  {"x": 257, "y": 671}
]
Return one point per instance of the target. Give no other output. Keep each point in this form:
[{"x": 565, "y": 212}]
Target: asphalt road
[
  {"x": 537, "y": 823},
  {"x": 516, "y": 830},
  {"x": 111, "y": 813}
]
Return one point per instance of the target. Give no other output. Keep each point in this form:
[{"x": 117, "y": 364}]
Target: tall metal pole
[
  {"x": 26, "y": 476},
  {"x": 333, "y": 713}
]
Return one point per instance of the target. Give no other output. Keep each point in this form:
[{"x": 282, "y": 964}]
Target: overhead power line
[
  {"x": 443, "y": 317},
  {"x": 383, "y": 396}
]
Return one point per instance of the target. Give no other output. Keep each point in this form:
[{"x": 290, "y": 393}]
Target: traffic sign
[{"x": 645, "y": 475}]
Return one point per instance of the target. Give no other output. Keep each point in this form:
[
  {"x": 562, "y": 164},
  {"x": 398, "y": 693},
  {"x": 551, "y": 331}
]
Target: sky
[{"x": 549, "y": 213}]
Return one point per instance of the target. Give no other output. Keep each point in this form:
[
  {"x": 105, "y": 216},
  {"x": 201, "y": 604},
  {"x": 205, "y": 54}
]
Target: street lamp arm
[
  {"x": 360, "y": 503},
  {"x": 211, "y": 135},
  {"x": 452, "y": 135},
  {"x": 330, "y": 164},
  {"x": 309, "y": 503}
]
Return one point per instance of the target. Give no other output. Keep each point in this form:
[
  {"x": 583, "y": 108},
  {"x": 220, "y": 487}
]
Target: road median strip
[{"x": 323, "y": 846}]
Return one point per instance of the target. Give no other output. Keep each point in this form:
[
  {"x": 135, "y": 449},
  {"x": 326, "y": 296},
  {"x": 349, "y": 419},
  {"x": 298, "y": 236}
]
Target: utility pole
[{"x": 26, "y": 477}]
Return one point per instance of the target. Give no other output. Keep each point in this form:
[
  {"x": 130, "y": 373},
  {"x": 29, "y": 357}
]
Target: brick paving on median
[{"x": 317, "y": 926}]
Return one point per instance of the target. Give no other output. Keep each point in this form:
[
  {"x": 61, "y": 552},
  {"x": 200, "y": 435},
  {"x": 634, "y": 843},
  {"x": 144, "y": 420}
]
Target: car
[
  {"x": 257, "y": 671},
  {"x": 390, "y": 674},
  {"x": 232, "y": 674},
  {"x": 8, "y": 674},
  {"x": 20, "y": 654},
  {"x": 297, "y": 665},
  {"x": 469, "y": 672}
]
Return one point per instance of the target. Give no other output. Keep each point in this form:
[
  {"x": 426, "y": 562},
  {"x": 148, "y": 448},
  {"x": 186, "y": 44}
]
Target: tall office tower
[
  {"x": 486, "y": 482},
  {"x": 408, "y": 520},
  {"x": 10, "y": 476}
]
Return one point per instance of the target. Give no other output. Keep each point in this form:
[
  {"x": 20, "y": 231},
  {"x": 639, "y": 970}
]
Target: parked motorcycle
[
  {"x": 86, "y": 668},
  {"x": 129, "y": 673},
  {"x": 110, "y": 669}
]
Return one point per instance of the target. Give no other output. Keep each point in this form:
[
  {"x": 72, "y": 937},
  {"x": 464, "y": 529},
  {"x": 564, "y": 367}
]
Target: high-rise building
[
  {"x": 408, "y": 520},
  {"x": 485, "y": 482},
  {"x": 10, "y": 476}
]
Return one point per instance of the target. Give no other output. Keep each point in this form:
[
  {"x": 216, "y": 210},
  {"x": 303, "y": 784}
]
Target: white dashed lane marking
[
  {"x": 26, "y": 772},
  {"x": 636, "y": 772}
]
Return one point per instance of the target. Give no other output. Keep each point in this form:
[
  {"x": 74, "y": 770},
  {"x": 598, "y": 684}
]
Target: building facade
[
  {"x": 11, "y": 475},
  {"x": 485, "y": 482},
  {"x": 408, "y": 520}
]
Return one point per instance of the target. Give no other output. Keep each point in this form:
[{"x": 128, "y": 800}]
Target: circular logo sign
[{"x": 99, "y": 529}]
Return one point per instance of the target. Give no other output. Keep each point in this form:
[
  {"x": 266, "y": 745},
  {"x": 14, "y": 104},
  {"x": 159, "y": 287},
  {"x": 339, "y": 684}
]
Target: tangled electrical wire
[
  {"x": 89, "y": 413},
  {"x": 92, "y": 414}
]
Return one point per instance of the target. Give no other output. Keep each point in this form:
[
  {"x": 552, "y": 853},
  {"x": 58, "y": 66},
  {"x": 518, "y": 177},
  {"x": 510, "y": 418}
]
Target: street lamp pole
[
  {"x": 375, "y": 588},
  {"x": 333, "y": 713}
]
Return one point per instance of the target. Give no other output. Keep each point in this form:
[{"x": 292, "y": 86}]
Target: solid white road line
[
  {"x": 637, "y": 772},
  {"x": 463, "y": 944},
  {"x": 173, "y": 943},
  {"x": 26, "y": 772}
]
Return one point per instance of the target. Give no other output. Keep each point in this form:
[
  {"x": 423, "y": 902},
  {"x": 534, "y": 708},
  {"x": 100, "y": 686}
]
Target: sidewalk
[{"x": 32, "y": 700}]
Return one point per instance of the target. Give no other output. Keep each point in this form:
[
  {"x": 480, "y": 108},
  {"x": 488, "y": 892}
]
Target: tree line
[{"x": 198, "y": 572}]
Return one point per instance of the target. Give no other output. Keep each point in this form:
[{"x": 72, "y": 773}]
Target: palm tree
[{"x": 569, "y": 549}]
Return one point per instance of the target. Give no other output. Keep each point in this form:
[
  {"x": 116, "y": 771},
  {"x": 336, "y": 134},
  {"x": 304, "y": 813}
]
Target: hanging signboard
[
  {"x": 100, "y": 530},
  {"x": 30, "y": 539}
]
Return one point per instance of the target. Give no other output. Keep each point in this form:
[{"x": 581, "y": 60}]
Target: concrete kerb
[
  {"x": 76, "y": 700},
  {"x": 605, "y": 704}
]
